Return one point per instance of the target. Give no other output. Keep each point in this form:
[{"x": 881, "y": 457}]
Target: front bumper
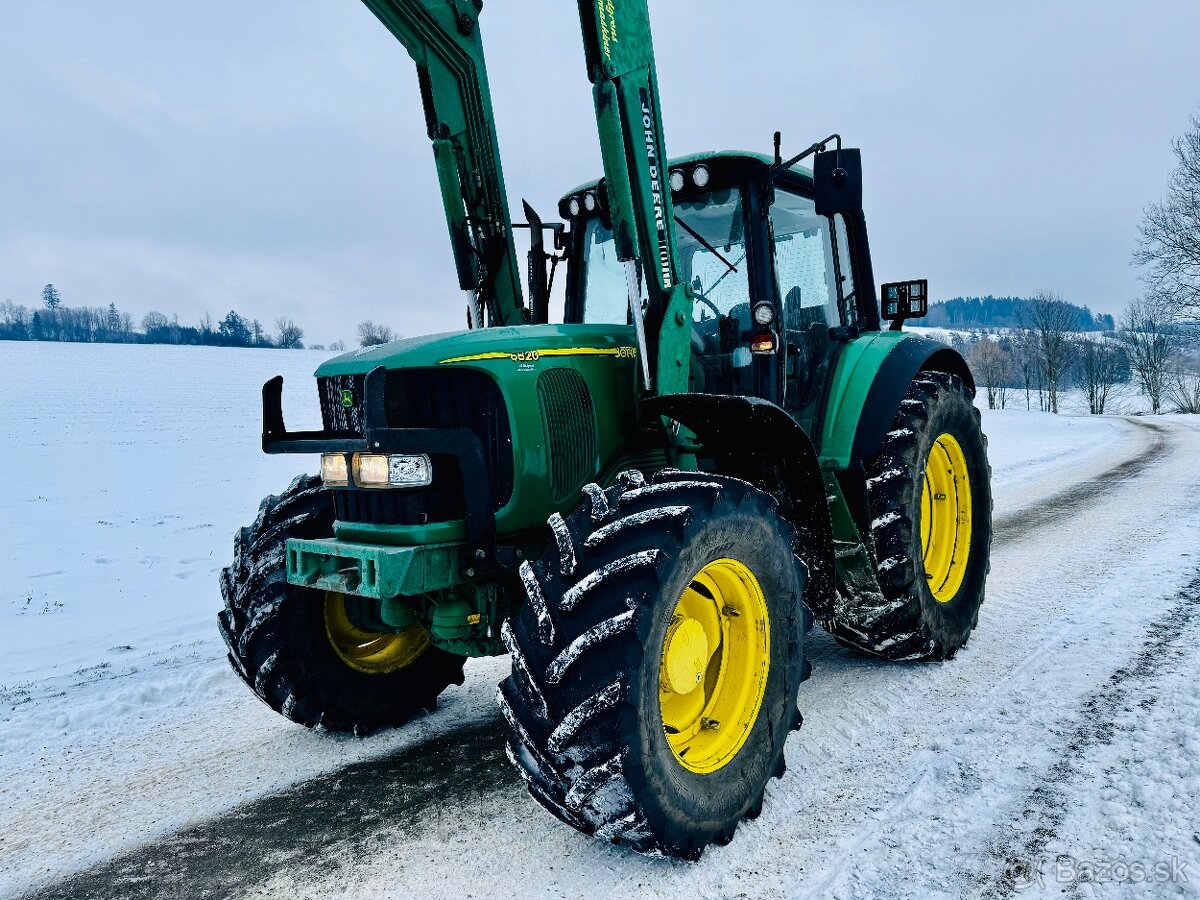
[{"x": 371, "y": 570}]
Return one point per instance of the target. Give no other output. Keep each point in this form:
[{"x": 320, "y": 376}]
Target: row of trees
[
  {"x": 88, "y": 324},
  {"x": 1043, "y": 355},
  {"x": 1006, "y": 312}
]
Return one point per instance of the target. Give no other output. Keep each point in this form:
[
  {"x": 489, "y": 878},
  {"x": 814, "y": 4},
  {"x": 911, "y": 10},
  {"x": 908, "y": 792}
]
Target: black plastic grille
[
  {"x": 338, "y": 417},
  {"x": 427, "y": 398},
  {"x": 569, "y": 423}
]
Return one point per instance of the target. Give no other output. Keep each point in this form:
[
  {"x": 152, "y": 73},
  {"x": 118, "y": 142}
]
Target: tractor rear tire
[
  {"x": 296, "y": 647},
  {"x": 929, "y": 491},
  {"x": 656, "y": 663}
]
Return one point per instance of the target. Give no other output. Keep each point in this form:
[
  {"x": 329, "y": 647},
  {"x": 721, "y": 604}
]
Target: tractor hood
[{"x": 518, "y": 343}]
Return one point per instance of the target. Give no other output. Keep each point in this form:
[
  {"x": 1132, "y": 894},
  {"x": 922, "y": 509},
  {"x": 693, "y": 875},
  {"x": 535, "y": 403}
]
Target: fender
[
  {"x": 757, "y": 441},
  {"x": 874, "y": 373}
]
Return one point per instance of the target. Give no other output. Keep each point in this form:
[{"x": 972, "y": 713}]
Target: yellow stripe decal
[
  {"x": 475, "y": 357},
  {"x": 531, "y": 355}
]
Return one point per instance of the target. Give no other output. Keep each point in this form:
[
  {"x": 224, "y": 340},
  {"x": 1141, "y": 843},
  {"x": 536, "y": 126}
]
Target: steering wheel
[{"x": 716, "y": 309}]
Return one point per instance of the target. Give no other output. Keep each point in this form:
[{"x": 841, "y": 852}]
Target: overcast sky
[{"x": 271, "y": 157}]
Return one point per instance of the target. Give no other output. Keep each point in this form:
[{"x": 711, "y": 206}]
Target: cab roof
[{"x": 710, "y": 156}]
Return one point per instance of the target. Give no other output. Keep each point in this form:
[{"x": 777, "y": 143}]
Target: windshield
[{"x": 719, "y": 219}]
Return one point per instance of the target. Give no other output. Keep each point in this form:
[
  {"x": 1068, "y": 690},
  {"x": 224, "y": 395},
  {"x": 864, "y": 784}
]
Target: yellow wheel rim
[
  {"x": 946, "y": 518},
  {"x": 715, "y": 659},
  {"x": 370, "y": 651}
]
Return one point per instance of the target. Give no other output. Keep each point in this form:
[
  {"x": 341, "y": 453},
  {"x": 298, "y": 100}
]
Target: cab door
[{"x": 814, "y": 293}]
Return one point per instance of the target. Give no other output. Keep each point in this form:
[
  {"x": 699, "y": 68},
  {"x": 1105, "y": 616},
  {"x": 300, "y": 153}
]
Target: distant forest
[
  {"x": 1002, "y": 312},
  {"x": 54, "y": 321}
]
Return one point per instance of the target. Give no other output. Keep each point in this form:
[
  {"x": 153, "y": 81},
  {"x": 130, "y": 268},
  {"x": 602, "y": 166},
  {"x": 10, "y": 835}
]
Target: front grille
[
  {"x": 339, "y": 417},
  {"x": 400, "y": 506},
  {"x": 569, "y": 424},
  {"x": 427, "y": 398}
]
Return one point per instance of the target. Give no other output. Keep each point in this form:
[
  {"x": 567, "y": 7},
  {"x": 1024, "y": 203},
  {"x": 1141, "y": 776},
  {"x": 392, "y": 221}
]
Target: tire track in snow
[
  {"x": 1015, "y": 525},
  {"x": 454, "y": 775},
  {"x": 1168, "y": 639}
]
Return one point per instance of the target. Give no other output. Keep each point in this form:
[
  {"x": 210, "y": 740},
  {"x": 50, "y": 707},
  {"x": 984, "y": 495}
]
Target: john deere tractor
[{"x": 646, "y": 503}]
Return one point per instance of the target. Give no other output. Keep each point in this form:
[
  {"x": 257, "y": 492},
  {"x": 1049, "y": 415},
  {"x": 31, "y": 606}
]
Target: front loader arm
[
  {"x": 620, "y": 60},
  {"x": 442, "y": 37}
]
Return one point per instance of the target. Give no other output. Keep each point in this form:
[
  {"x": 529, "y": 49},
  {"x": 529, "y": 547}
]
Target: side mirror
[
  {"x": 837, "y": 182},
  {"x": 900, "y": 300}
]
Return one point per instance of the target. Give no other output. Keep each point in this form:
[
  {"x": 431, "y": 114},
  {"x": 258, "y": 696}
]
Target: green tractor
[{"x": 645, "y": 504}]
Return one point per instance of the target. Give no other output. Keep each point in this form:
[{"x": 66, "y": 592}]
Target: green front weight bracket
[{"x": 370, "y": 570}]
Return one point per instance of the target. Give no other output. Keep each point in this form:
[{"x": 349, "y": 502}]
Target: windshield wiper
[
  {"x": 716, "y": 284},
  {"x": 707, "y": 246}
]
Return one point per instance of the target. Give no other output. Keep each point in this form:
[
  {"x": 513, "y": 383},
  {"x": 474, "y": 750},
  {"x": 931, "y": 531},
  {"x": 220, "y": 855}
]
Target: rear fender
[
  {"x": 860, "y": 416},
  {"x": 757, "y": 441}
]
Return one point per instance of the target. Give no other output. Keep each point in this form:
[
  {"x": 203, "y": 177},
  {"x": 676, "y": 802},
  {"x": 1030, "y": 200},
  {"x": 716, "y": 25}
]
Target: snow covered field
[{"x": 1067, "y": 733}]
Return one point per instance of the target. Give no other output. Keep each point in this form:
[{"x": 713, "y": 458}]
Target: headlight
[
  {"x": 410, "y": 471},
  {"x": 573, "y": 207},
  {"x": 764, "y": 314},
  {"x": 370, "y": 469},
  {"x": 700, "y": 176},
  {"x": 589, "y": 201},
  {"x": 333, "y": 469},
  {"x": 378, "y": 470},
  {"x": 677, "y": 181}
]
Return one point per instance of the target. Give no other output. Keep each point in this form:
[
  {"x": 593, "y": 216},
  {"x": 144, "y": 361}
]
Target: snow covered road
[{"x": 1064, "y": 738}]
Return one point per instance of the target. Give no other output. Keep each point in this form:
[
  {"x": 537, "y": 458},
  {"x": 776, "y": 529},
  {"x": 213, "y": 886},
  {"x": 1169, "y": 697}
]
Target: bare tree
[
  {"x": 370, "y": 334},
  {"x": 290, "y": 335},
  {"x": 1102, "y": 366},
  {"x": 338, "y": 346},
  {"x": 1026, "y": 363},
  {"x": 992, "y": 366},
  {"x": 1151, "y": 339},
  {"x": 1052, "y": 323},
  {"x": 154, "y": 320},
  {"x": 1183, "y": 390},
  {"x": 1169, "y": 244}
]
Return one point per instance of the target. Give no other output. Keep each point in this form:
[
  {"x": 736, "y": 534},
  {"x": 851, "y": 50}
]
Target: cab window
[
  {"x": 605, "y": 294},
  {"x": 712, "y": 255},
  {"x": 808, "y": 298}
]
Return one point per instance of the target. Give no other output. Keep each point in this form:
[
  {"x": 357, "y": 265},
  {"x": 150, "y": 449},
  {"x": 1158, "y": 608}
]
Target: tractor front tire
[
  {"x": 929, "y": 490},
  {"x": 298, "y": 649},
  {"x": 656, "y": 663}
]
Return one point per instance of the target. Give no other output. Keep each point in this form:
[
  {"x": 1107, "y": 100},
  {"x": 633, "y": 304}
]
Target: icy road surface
[{"x": 1057, "y": 755}]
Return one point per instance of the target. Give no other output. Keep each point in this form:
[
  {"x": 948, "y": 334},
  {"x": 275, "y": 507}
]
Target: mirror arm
[{"x": 818, "y": 147}]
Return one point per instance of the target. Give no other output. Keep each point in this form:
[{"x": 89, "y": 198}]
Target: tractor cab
[{"x": 774, "y": 284}]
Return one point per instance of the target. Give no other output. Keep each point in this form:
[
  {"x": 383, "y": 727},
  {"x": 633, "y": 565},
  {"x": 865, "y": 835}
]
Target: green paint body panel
[
  {"x": 857, "y": 365},
  {"x": 605, "y": 357}
]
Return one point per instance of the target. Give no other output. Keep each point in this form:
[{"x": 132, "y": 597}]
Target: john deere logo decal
[{"x": 347, "y": 398}]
